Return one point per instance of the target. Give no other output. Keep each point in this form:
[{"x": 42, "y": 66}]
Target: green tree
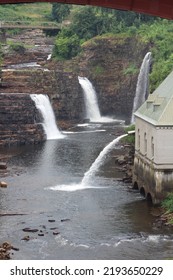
[
  {"x": 132, "y": 19},
  {"x": 88, "y": 22},
  {"x": 66, "y": 47},
  {"x": 60, "y": 11},
  {"x": 84, "y": 23}
]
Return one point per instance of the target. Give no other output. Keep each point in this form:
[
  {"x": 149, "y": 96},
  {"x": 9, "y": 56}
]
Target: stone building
[{"x": 153, "y": 163}]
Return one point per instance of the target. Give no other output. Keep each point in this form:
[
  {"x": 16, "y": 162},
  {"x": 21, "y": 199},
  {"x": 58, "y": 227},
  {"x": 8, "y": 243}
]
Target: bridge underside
[{"x": 152, "y": 7}]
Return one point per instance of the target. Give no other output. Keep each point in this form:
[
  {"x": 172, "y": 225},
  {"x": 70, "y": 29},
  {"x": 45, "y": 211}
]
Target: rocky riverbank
[
  {"x": 5, "y": 250},
  {"x": 124, "y": 162}
]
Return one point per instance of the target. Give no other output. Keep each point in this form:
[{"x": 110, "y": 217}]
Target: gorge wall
[
  {"x": 111, "y": 63},
  {"x": 19, "y": 121}
]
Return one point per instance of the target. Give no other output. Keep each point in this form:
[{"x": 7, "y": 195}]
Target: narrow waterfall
[
  {"x": 91, "y": 102},
  {"x": 100, "y": 160},
  {"x": 142, "y": 87},
  {"x": 43, "y": 104}
]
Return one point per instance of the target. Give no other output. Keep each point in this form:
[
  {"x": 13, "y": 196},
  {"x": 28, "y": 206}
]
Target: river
[{"x": 103, "y": 220}]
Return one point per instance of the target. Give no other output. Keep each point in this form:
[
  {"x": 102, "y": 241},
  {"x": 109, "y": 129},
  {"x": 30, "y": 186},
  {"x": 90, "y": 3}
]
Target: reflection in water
[{"x": 106, "y": 221}]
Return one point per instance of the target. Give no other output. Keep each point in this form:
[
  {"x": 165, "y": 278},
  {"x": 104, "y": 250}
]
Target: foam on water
[
  {"x": 82, "y": 132},
  {"x": 73, "y": 187}
]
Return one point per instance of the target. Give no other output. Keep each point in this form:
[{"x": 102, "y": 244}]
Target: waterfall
[
  {"x": 100, "y": 160},
  {"x": 91, "y": 102},
  {"x": 142, "y": 87},
  {"x": 49, "y": 123}
]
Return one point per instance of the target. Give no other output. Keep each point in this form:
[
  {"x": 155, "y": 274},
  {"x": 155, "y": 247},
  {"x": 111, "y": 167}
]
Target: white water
[
  {"x": 91, "y": 102},
  {"x": 142, "y": 87},
  {"x": 86, "y": 181},
  {"x": 24, "y": 65},
  {"x": 49, "y": 57},
  {"x": 43, "y": 105},
  {"x": 100, "y": 160}
]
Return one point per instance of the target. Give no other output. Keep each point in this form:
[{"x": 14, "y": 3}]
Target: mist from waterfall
[
  {"x": 91, "y": 102},
  {"x": 87, "y": 181},
  {"x": 43, "y": 104},
  {"x": 142, "y": 86},
  {"x": 100, "y": 160}
]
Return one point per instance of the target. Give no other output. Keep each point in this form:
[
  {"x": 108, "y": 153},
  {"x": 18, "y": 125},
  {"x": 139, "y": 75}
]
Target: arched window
[
  {"x": 145, "y": 143},
  {"x": 152, "y": 147},
  {"x": 138, "y": 140}
]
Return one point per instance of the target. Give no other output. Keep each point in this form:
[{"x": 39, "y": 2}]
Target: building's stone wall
[{"x": 153, "y": 162}]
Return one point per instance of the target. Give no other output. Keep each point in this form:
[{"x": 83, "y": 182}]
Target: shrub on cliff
[
  {"x": 17, "y": 47},
  {"x": 130, "y": 138},
  {"x": 66, "y": 47},
  {"x": 167, "y": 203}
]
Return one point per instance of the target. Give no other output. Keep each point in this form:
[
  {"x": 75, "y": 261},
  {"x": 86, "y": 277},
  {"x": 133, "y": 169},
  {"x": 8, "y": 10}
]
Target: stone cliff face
[
  {"x": 111, "y": 63},
  {"x": 19, "y": 120}
]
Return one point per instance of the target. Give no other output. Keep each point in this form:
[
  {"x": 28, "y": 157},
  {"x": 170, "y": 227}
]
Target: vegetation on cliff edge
[
  {"x": 167, "y": 206},
  {"x": 88, "y": 22},
  {"x": 85, "y": 22}
]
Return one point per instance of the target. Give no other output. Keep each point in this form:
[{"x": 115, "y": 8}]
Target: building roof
[{"x": 158, "y": 108}]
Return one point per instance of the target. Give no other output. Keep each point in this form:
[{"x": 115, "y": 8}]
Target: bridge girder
[{"x": 158, "y": 8}]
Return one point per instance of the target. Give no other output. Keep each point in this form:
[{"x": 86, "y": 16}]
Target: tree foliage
[
  {"x": 88, "y": 22},
  {"x": 160, "y": 36},
  {"x": 60, "y": 11},
  {"x": 168, "y": 203},
  {"x": 66, "y": 47}
]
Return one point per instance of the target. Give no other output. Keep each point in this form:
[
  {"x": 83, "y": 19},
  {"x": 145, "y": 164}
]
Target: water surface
[{"x": 104, "y": 220}]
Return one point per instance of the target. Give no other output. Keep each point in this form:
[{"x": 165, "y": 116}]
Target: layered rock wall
[
  {"x": 111, "y": 63},
  {"x": 19, "y": 120}
]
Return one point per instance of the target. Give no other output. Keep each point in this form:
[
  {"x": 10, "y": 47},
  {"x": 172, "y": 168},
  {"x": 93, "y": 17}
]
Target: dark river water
[{"x": 104, "y": 220}]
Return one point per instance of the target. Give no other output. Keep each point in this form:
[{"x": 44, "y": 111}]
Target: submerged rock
[
  {"x": 4, "y": 250},
  {"x": 3, "y": 184},
  {"x": 30, "y": 230},
  {"x": 3, "y": 165}
]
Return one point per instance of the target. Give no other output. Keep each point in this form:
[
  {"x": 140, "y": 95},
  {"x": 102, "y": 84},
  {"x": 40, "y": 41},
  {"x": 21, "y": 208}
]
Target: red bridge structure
[{"x": 160, "y": 8}]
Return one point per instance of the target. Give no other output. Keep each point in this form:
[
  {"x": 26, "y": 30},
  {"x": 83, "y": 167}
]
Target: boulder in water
[
  {"x": 3, "y": 165},
  {"x": 3, "y": 184}
]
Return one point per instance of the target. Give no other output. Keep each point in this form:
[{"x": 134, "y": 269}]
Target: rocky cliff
[
  {"x": 19, "y": 121},
  {"x": 111, "y": 63}
]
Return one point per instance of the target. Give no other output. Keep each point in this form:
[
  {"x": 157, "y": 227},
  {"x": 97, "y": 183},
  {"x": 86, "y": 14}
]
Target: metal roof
[
  {"x": 161, "y": 8},
  {"x": 158, "y": 108}
]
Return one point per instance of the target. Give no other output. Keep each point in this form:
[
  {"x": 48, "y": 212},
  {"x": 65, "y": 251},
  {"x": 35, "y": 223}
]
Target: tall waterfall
[
  {"x": 91, "y": 102},
  {"x": 100, "y": 160},
  {"x": 49, "y": 124},
  {"x": 142, "y": 87}
]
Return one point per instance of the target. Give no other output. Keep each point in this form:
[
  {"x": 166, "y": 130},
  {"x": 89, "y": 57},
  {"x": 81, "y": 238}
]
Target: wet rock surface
[
  {"x": 5, "y": 250},
  {"x": 18, "y": 121},
  {"x": 124, "y": 163},
  {"x": 60, "y": 79}
]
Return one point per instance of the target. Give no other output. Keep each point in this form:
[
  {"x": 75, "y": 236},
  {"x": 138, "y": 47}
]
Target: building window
[
  {"x": 138, "y": 140},
  {"x": 145, "y": 143},
  {"x": 152, "y": 147}
]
